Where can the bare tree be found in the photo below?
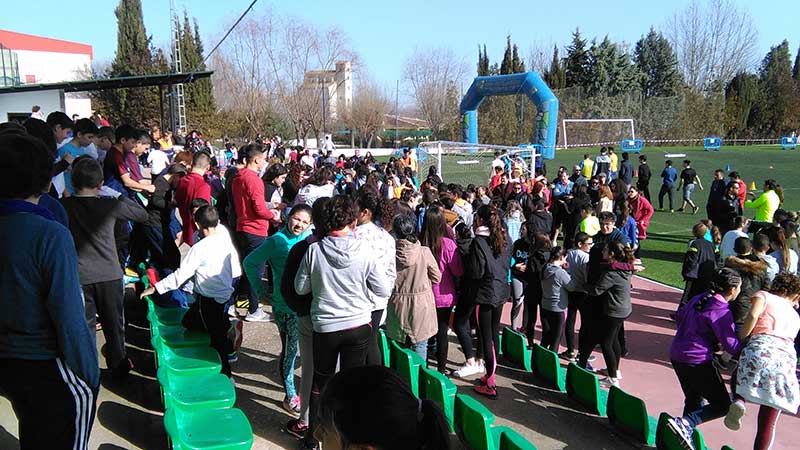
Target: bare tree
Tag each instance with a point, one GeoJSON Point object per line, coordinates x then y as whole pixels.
{"type": "Point", "coordinates": [370, 106]}
{"type": "Point", "coordinates": [428, 73]}
{"type": "Point", "coordinates": [714, 40]}
{"type": "Point", "coordinates": [261, 69]}
{"type": "Point", "coordinates": [540, 55]}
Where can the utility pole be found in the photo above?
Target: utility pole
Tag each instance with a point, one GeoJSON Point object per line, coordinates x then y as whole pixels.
{"type": "Point", "coordinates": [396, 114]}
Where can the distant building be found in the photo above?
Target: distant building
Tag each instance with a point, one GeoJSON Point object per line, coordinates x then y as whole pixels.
{"type": "Point", "coordinates": [337, 85]}
{"type": "Point", "coordinates": [28, 59]}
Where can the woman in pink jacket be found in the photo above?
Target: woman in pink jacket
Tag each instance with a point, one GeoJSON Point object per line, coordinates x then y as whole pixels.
{"type": "Point", "coordinates": [642, 211]}
{"type": "Point", "coordinates": [435, 235]}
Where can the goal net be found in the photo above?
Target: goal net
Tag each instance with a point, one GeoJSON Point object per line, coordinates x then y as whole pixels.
{"type": "Point", "coordinates": [463, 163]}
{"type": "Point", "coordinates": [596, 132]}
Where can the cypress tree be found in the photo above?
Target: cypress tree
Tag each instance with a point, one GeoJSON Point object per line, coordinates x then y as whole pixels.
{"type": "Point", "coordinates": [577, 62]}
{"type": "Point", "coordinates": [507, 65]}
{"type": "Point", "coordinates": [796, 68]}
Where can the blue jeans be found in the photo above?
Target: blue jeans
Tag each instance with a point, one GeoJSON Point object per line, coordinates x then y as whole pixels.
{"type": "Point", "coordinates": [421, 348]}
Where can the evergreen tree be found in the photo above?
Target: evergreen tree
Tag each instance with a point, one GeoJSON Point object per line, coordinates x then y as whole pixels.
{"type": "Point", "coordinates": [658, 64]}
{"type": "Point", "coordinates": [517, 65]}
{"type": "Point", "coordinates": [778, 114]}
{"type": "Point", "coordinates": [555, 76]}
{"type": "Point", "coordinates": [507, 66]}
{"type": "Point", "coordinates": [741, 96]}
{"type": "Point", "coordinates": [796, 68]}
{"type": "Point", "coordinates": [577, 62]}
{"type": "Point", "coordinates": [610, 70]}
{"type": "Point", "coordinates": [198, 95]}
{"type": "Point", "coordinates": [483, 62]}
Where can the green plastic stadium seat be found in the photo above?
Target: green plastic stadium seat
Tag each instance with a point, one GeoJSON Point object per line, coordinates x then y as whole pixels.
{"type": "Point", "coordinates": [584, 388]}
{"type": "Point", "coordinates": [436, 387]}
{"type": "Point", "coordinates": [511, 440]}
{"type": "Point", "coordinates": [208, 429]}
{"type": "Point", "coordinates": [166, 316]}
{"type": "Point", "coordinates": [515, 348]}
{"type": "Point", "coordinates": [407, 365]}
{"type": "Point", "coordinates": [629, 414]}
{"type": "Point", "coordinates": [177, 336]}
{"type": "Point", "coordinates": [547, 367]}
{"type": "Point", "coordinates": [474, 424]}
{"type": "Point", "coordinates": [385, 352]}
{"type": "Point", "coordinates": [196, 392]}
{"type": "Point", "coordinates": [189, 360]}
{"type": "Point", "coordinates": [667, 440]}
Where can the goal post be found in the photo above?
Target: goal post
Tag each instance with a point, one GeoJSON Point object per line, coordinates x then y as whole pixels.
{"type": "Point", "coordinates": [617, 139]}
{"type": "Point", "coordinates": [465, 163]}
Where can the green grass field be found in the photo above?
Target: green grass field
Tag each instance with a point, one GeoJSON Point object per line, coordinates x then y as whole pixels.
{"type": "Point", "coordinates": [669, 234]}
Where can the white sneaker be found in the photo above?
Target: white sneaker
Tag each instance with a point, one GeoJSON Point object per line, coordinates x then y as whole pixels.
{"type": "Point", "coordinates": [468, 370]}
{"type": "Point", "coordinates": [605, 372]}
{"type": "Point", "coordinates": [607, 382]}
{"type": "Point", "coordinates": [232, 311]}
{"type": "Point", "coordinates": [733, 420]}
{"type": "Point", "coordinates": [259, 316]}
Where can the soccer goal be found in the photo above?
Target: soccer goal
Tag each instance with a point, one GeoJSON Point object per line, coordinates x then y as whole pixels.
{"type": "Point", "coordinates": [596, 132]}
{"type": "Point", "coordinates": [464, 163]}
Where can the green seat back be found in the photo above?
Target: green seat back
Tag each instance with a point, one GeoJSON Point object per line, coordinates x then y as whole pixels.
{"type": "Point", "coordinates": [583, 387]}
{"type": "Point", "coordinates": [515, 348]}
{"type": "Point", "coordinates": [473, 423]}
{"type": "Point", "coordinates": [437, 388]}
{"type": "Point", "coordinates": [384, 344]}
{"type": "Point", "coordinates": [407, 365]}
{"type": "Point", "coordinates": [177, 336]}
{"type": "Point", "coordinates": [629, 414]}
{"type": "Point", "coordinates": [196, 392]}
{"type": "Point", "coordinates": [166, 316]}
{"type": "Point", "coordinates": [209, 429]}
{"type": "Point", "coordinates": [189, 360]}
{"type": "Point", "coordinates": [547, 367]}
{"type": "Point", "coordinates": [511, 440]}
{"type": "Point", "coordinates": [667, 440]}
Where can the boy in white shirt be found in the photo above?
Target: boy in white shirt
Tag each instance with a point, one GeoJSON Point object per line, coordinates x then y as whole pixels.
{"type": "Point", "coordinates": [157, 160]}
{"type": "Point", "coordinates": [212, 264]}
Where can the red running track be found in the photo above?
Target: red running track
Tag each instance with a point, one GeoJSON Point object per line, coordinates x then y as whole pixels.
{"type": "Point", "coordinates": [647, 372]}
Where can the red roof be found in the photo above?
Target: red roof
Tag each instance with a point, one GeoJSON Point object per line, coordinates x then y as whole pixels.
{"type": "Point", "coordinates": [21, 41]}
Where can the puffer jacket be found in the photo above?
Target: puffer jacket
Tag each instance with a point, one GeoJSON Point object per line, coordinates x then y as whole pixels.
{"type": "Point", "coordinates": [753, 271]}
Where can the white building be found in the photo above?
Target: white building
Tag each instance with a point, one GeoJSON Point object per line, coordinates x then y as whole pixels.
{"type": "Point", "coordinates": [338, 86]}
{"type": "Point", "coordinates": [40, 60]}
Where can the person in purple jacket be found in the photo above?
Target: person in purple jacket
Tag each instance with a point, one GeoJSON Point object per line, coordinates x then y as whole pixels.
{"type": "Point", "coordinates": [703, 323]}
{"type": "Point", "coordinates": [434, 235]}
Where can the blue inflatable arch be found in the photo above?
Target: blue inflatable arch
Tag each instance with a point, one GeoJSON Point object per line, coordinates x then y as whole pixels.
{"type": "Point", "coordinates": [529, 84]}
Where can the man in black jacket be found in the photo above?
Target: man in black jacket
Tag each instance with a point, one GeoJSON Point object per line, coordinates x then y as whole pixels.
{"type": "Point", "coordinates": [643, 180]}
{"type": "Point", "coordinates": [717, 190]}
{"type": "Point", "coordinates": [726, 208]}
{"type": "Point", "coordinates": [626, 170]}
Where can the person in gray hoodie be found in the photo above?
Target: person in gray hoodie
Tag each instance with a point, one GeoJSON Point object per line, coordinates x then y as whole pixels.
{"type": "Point", "coordinates": [554, 298]}
{"type": "Point", "coordinates": [340, 272]}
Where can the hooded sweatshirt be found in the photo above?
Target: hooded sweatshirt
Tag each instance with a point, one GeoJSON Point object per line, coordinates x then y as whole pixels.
{"type": "Point", "coordinates": [412, 307]}
{"type": "Point", "coordinates": [380, 244]}
{"type": "Point", "coordinates": [340, 272]}
{"type": "Point", "coordinates": [554, 292]}
{"type": "Point", "coordinates": [309, 193]}
{"type": "Point", "coordinates": [699, 332]}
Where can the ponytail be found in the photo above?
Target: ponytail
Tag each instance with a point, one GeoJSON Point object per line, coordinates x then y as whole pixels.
{"type": "Point", "coordinates": [497, 234]}
{"type": "Point", "coordinates": [434, 433]}
{"type": "Point", "coordinates": [722, 281]}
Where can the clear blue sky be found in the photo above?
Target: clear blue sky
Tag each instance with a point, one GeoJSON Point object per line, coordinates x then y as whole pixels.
{"type": "Point", "coordinates": [384, 33]}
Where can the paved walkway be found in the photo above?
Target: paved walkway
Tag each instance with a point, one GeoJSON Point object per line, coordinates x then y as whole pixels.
{"type": "Point", "coordinates": [129, 414]}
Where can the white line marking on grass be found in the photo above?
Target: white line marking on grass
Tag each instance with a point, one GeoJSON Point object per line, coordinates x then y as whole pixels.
{"type": "Point", "coordinates": [658, 283]}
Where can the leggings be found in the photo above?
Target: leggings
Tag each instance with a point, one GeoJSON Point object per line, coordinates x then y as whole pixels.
{"type": "Point", "coordinates": [767, 425]}
{"type": "Point", "coordinates": [349, 347]}
{"type": "Point", "coordinates": [517, 298]}
{"type": "Point", "coordinates": [604, 332]}
{"type": "Point", "coordinates": [374, 357]}
{"type": "Point", "coordinates": [576, 304]}
{"type": "Point", "coordinates": [552, 326]}
{"type": "Point", "coordinates": [699, 382]}
{"type": "Point", "coordinates": [464, 310]}
{"type": "Point", "coordinates": [532, 302]}
{"type": "Point", "coordinates": [442, 342]}
{"type": "Point", "coordinates": [489, 337]}
{"type": "Point", "coordinates": [290, 336]}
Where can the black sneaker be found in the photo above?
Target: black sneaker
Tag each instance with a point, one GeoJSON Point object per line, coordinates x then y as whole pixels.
{"type": "Point", "coordinates": [122, 370]}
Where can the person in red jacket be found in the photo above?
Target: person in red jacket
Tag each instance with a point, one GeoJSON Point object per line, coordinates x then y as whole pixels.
{"type": "Point", "coordinates": [190, 187]}
{"type": "Point", "coordinates": [642, 211]}
{"type": "Point", "coordinates": [734, 176]}
{"type": "Point", "coordinates": [252, 219]}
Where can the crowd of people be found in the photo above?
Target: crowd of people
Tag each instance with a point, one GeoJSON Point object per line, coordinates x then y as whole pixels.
{"type": "Point", "coordinates": [341, 246]}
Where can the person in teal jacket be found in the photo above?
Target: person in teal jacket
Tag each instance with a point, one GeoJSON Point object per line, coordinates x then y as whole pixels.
{"type": "Point", "coordinates": [274, 251]}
